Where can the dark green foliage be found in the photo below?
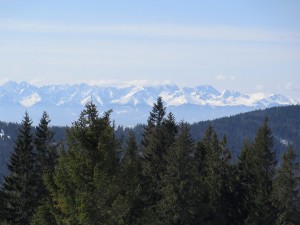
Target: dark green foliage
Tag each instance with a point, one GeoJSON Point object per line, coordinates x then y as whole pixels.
{"type": "Point", "coordinates": [245, 182]}
{"type": "Point", "coordinates": [284, 122]}
{"type": "Point", "coordinates": [170, 130]}
{"type": "Point", "coordinates": [19, 187]}
{"type": "Point", "coordinates": [168, 179]}
{"type": "Point", "coordinates": [158, 136]}
{"type": "Point", "coordinates": [218, 177]}
{"type": "Point", "coordinates": [263, 168]}
{"type": "Point", "coordinates": [130, 172]}
{"type": "Point", "coordinates": [2, 207]}
{"type": "Point", "coordinates": [7, 142]}
{"type": "Point", "coordinates": [84, 187]}
{"type": "Point", "coordinates": [44, 215]}
{"type": "Point", "coordinates": [46, 160]}
{"type": "Point", "coordinates": [286, 190]}
{"type": "Point", "coordinates": [46, 154]}
{"type": "Point", "coordinates": [182, 190]}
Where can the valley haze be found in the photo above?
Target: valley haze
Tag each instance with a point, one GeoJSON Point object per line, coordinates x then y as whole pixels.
{"type": "Point", "coordinates": [130, 104]}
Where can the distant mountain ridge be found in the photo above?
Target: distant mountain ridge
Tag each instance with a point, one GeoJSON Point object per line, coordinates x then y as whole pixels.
{"type": "Point", "coordinates": [130, 104]}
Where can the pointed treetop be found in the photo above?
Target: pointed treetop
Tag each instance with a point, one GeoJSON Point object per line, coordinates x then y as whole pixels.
{"type": "Point", "coordinates": [158, 112]}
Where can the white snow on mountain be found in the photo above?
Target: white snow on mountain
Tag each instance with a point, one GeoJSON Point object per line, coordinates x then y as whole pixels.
{"type": "Point", "coordinates": [131, 98]}
{"type": "Point", "coordinates": [30, 100]}
{"type": "Point", "coordinates": [134, 100]}
{"type": "Point", "coordinates": [86, 100]}
{"type": "Point", "coordinates": [28, 95]}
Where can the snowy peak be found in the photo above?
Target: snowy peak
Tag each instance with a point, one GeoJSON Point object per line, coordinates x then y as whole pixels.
{"type": "Point", "coordinates": [227, 94]}
{"type": "Point", "coordinates": [131, 104]}
{"type": "Point", "coordinates": [30, 100]}
{"type": "Point", "coordinates": [27, 95]}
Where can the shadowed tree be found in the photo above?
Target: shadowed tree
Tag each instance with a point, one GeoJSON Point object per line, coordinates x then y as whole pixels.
{"type": "Point", "coordinates": [20, 185]}
{"type": "Point", "coordinates": [263, 170]}
{"type": "Point", "coordinates": [157, 138]}
{"type": "Point", "coordinates": [286, 197]}
{"type": "Point", "coordinates": [46, 160]}
{"type": "Point", "coordinates": [182, 193]}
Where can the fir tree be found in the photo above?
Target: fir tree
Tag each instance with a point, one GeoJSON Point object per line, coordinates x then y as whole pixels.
{"type": "Point", "coordinates": [170, 130]}
{"type": "Point", "coordinates": [46, 159]}
{"type": "Point", "coordinates": [286, 197]}
{"type": "Point", "coordinates": [182, 195]}
{"type": "Point", "coordinates": [153, 150]}
{"type": "Point", "coordinates": [218, 177]}
{"type": "Point", "coordinates": [84, 186]}
{"type": "Point", "coordinates": [263, 168]}
{"type": "Point", "coordinates": [245, 182]}
{"type": "Point", "coordinates": [200, 157]}
{"type": "Point", "coordinates": [128, 200]}
{"type": "Point", "coordinates": [46, 153]}
{"type": "Point", "coordinates": [20, 187]}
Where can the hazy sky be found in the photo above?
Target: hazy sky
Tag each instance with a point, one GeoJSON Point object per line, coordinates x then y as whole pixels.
{"type": "Point", "coordinates": [249, 46]}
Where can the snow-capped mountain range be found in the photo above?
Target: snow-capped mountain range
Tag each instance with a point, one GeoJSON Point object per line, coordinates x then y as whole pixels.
{"type": "Point", "coordinates": [130, 104]}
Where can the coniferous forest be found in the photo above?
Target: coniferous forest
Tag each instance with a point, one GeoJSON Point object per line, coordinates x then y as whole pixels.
{"type": "Point", "coordinates": [168, 178]}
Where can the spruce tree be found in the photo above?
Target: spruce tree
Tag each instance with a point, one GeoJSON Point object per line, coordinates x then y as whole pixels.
{"type": "Point", "coordinates": [129, 202]}
{"type": "Point", "coordinates": [286, 197]}
{"type": "Point", "coordinates": [263, 167]}
{"type": "Point", "coordinates": [218, 177]}
{"type": "Point", "coordinates": [182, 194]}
{"type": "Point", "coordinates": [158, 136]}
{"type": "Point", "coordinates": [46, 159]}
{"type": "Point", "coordinates": [46, 153]}
{"type": "Point", "coordinates": [19, 188]}
{"type": "Point", "coordinates": [84, 184]}
{"type": "Point", "coordinates": [245, 182]}
{"type": "Point", "coordinates": [170, 130]}
{"type": "Point", "coordinates": [153, 150]}
{"type": "Point", "coordinates": [45, 145]}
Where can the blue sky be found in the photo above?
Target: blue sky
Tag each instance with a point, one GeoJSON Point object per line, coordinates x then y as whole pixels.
{"type": "Point", "coordinates": [249, 46]}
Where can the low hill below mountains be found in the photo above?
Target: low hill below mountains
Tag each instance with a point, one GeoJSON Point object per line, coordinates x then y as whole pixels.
{"type": "Point", "coordinates": [284, 122]}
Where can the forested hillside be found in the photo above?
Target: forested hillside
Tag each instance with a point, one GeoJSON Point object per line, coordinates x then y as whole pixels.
{"type": "Point", "coordinates": [168, 178]}
{"type": "Point", "coordinates": [284, 122]}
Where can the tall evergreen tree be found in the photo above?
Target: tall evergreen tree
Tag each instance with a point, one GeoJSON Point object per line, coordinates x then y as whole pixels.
{"type": "Point", "coordinates": [46, 153]}
{"type": "Point", "coordinates": [84, 186]}
{"type": "Point", "coordinates": [19, 187]}
{"type": "Point", "coordinates": [182, 194]}
{"type": "Point", "coordinates": [45, 145]}
{"type": "Point", "coordinates": [129, 202]}
{"type": "Point", "coordinates": [218, 177]}
{"type": "Point", "coordinates": [157, 137]}
{"type": "Point", "coordinates": [245, 182]}
{"type": "Point", "coordinates": [286, 190]}
{"type": "Point", "coordinates": [46, 159]}
{"type": "Point", "coordinates": [263, 168]}
{"type": "Point", "coordinates": [170, 130]}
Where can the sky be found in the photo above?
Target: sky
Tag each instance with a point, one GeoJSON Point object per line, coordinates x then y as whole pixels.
{"type": "Point", "coordinates": [247, 46]}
